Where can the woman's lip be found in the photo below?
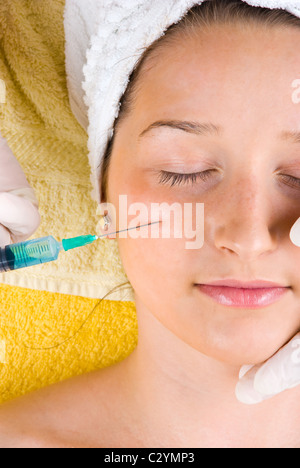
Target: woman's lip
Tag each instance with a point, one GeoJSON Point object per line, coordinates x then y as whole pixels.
{"type": "Point", "coordinates": [245, 284]}
{"type": "Point", "coordinates": [243, 297]}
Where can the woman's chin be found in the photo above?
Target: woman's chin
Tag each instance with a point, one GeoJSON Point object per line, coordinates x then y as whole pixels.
{"type": "Point", "coordinates": [239, 352]}
{"type": "Point", "coordinates": [240, 357]}
{"type": "Point", "coordinates": [239, 338]}
{"type": "Point", "coordinates": [237, 347]}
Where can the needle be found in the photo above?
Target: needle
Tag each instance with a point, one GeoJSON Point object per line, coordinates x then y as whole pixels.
{"type": "Point", "coordinates": [123, 230]}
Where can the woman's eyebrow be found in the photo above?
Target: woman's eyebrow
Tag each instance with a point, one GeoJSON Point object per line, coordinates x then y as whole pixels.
{"type": "Point", "coordinates": [197, 128]}
{"type": "Point", "coordinates": [292, 137]}
{"type": "Point", "coordinates": [208, 128]}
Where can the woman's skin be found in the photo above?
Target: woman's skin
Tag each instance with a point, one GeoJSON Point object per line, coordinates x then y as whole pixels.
{"type": "Point", "coordinates": [177, 387]}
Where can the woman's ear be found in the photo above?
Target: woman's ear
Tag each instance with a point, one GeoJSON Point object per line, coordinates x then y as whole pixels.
{"type": "Point", "coordinates": [107, 221]}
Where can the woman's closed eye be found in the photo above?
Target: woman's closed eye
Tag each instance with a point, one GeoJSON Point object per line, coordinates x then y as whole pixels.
{"type": "Point", "coordinates": [174, 178]}
{"type": "Point", "coordinates": [291, 181]}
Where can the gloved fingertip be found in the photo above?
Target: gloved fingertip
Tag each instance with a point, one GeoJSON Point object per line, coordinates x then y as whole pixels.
{"type": "Point", "coordinates": [266, 381]}
{"type": "Point", "coordinates": [26, 192]}
{"type": "Point", "coordinates": [270, 381]}
{"type": "Point", "coordinates": [23, 233]}
{"type": "Point", "coordinates": [295, 233]}
{"type": "Point", "coordinates": [244, 369]}
{"type": "Point", "coordinates": [245, 393]}
{"type": "Point", "coordinates": [19, 216]}
{"type": "Point", "coordinates": [5, 237]}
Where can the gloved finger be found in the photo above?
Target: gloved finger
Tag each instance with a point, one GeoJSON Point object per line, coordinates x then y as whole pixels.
{"type": "Point", "coordinates": [263, 381]}
{"type": "Point", "coordinates": [281, 371]}
{"type": "Point", "coordinates": [244, 369]}
{"type": "Point", "coordinates": [18, 215]}
{"type": "Point", "coordinates": [245, 391]}
{"type": "Point", "coordinates": [5, 237]}
{"type": "Point", "coordinates": [25, 192]}
{"type": "Point", "coordinates": [295, 233]}
{"type": "Point", "coordinates": [11, 174]}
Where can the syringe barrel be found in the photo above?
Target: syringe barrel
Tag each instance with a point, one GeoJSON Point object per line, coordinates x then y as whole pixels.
{"type": "Point", "coordinates": [29, 253]}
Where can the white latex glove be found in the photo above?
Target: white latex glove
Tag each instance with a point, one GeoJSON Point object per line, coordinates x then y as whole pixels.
{"type": "Point", "coordinates": [19, 216]}
{"type": "Point", "coordinates": [280, 372]}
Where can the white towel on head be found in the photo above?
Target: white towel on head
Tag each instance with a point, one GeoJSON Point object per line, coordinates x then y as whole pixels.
{"type": "Point", "coordinates": [104, 41]}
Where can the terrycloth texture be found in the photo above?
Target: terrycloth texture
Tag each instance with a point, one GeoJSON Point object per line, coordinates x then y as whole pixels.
{"type": "Point", "coordinates": [42, 320]}
{"type": "Point", "coordinates": [51, 146]}
{"type": "Point", "coordinates": [104, 41]}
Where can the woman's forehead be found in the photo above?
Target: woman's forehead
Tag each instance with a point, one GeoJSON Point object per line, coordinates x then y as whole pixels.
{"type": "Point", "coordinates": [241, 77]}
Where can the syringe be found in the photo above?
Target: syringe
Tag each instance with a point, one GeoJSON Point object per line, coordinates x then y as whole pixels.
{"type": "Point", "coordinates": [44, 250]}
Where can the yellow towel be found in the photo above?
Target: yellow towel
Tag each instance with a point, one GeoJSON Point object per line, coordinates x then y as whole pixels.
{"type": "Point", "coordinates": [44, 305]}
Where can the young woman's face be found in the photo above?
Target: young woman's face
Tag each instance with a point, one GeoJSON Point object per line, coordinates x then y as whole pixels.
{"type": "Point", "coordinates": [239, 79]}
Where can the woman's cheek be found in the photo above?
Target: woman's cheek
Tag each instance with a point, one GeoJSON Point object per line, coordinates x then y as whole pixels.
{"type": "Point", "coordinates": [151, 261]}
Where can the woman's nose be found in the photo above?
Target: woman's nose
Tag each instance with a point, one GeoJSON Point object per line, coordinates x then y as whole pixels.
{"type": "Point", "coordinates": [244, 223]}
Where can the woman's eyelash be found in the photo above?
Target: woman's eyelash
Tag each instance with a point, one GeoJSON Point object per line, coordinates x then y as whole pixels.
{"type": "Point", "coordinates": [291, 181]}
{"type": "Point", "coordinates": [174, 178]}
{"type": "Point", "coordinates": [177, 179]}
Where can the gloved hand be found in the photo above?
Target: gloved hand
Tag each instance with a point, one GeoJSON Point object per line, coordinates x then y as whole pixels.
{"type": "Point", "coordinates": [19, 216]}
{"type": "Point", "coordinates": [280, 372]}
